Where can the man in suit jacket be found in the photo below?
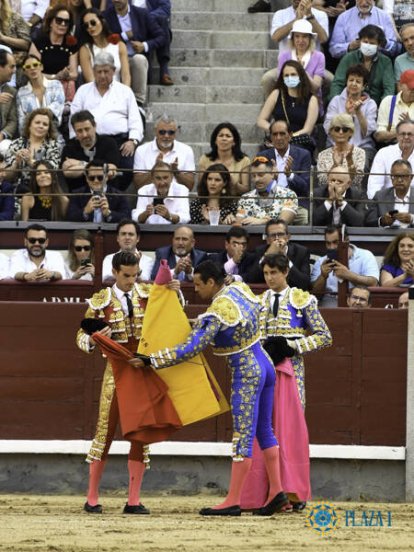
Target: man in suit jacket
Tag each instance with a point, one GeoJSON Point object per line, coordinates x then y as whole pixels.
{"type": "Point", "coordinates": [141, 34]}
{"type": "Point", "coordinates": [394, 207]}
{"type": "Point", "coordinates": [293, 165]}
{"type": "Point", "coordinates": [182, 257]}
{"type": "Point", "coordinates": [235, 259]}
{"type": "Point", "coordinates": [277, 241]}
{"type": "Point", "coordinates": [338, 202]}
{"type": "Point", "coordinates": [100, 202]}
{"type": "Point", "coordinates": [8, 112]}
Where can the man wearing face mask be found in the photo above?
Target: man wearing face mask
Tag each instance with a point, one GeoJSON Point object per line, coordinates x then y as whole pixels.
{"type": "Point", "coordinates": [381, 81]}
{"type": "Point", "coordinates": [345, 36]}
{"type": "Point", "coordinates": [394, 109]}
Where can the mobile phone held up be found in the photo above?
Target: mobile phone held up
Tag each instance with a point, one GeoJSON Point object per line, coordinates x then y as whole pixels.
{"type": "Point", "coordinates": [332, 254]}
{"type": "Point", "coordinates": [158, 201]}
{"type": "Point", "coordinates": [85, 262]}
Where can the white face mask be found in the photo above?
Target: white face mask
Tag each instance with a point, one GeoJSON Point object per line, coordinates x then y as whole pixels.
{"type": "Point", "coordinates": [368, 50]}
{"type": "Point", "coordinates": [292, 81]}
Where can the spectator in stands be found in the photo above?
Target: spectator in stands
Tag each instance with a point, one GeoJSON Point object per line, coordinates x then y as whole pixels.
{"type": "Point", "coordinates": [345, 36]}
{"type": "Point", "coordinates": [394, 207]}
{"type": "Point", "coordinates": [39, 92]}
{"type": "Point", "coordinates": [404, 300]}
{"type": "Point", "coordinates": [98, 201]}
{"type": "Point", "coordinates": [58, 49]}
{"type": "Point", "coordinates": [141, 34]}
{"type": "Point", "coordinates": [35, 263]}
{"type": "Point", "coordinates": [225, 143]}
{"type": "Point", "coordinates": [165, 147]}
{"type": "Point", "coordinates": [278, 242]}
{"type": "Point", "coordinates": [96, 37]}
{"type": "Point", "coordinates": [128, 234]}
{"type": "Point", "coordinates": [398, 263]}
{"type": "Point", "coordinates": [396, 108]}
{"type": "Point", "coordinates": [14, 34]}
{"type": "Point", "coordinates": [281, 27]}
{"type": "Point", "coordinates": [342, 153]}
{"type": "Point", "coordinates": [405, 61]}
{"type": "Point", "coordinates": [160, 10]}
{"type": "Point", "coordinates": [293, 102]}
{"type": "Point", "coordinates": [338, 202]}
{"type": "Point", "coordinates": [401, 11]}
{"type": "Point", "coordinates": [8, 114]}
{"type": "Point", "coordinates": [267, 200]}
{"type": "Point", "coordinates": [33, 11]}
{"type": "Point", "coordinates": [80, 265]}
{"type": "Point", "coordinates": [381, 167]}
{"type": "Point", "coordinates": [354, 101]}
{"type": "Point", "coordinates": [265, 6]}
{"type": "Point", "coordinates": [182, 256]}
{"type": "Point", "coordinates": [37, 143]}
{"type": "Point", "coordinates": [235, 259]}
{"type": "Point", "coordinates": [327, 271]}
{"type": "Point", "coordinates": [293, 164]}
{"type": "Point", "coordinates": [115, 110]}
{"type": "Point", "coordinates": [381, 80]}
{"type": "Point", "coordinates": [164, 201]}
{"type": "Point", "coordinates": [359, 297]}
{"type": "Point", "coordinates": [45, 200]}
{"type": "Point", "coordinates": [86, 146]}
{"type": "Point", "coordinates": [6, 194]}
{"type": "Point", "coordinates": [302, 49]}
{"type": "Point", "coordinates": [213, 195]}
{"type": "Point", "coordinates": [4, 266]}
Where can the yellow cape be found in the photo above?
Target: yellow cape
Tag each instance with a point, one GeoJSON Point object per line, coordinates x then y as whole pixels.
{"type": "Point", "coordinates": [192, 386]}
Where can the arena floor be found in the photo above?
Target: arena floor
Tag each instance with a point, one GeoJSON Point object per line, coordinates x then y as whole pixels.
{"type": "Point", "coordinates": [57, 523]}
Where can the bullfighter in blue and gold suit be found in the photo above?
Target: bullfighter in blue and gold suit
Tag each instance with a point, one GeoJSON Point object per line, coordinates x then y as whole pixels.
{"type": "Point", "coordinates": [231, 326]}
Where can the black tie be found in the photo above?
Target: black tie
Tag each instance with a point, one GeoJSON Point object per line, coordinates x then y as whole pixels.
{"type": "Point", "coordinates": [276, 304]}
{"type": "Point", "coordinates": [129, 305]}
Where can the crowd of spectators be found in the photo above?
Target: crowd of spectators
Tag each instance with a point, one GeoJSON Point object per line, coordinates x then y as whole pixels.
{"type": "Point", "coordinates": [338, 145]}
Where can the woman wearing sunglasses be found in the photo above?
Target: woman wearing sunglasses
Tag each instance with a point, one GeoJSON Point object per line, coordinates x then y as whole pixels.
{"type": "Point", "coordinates": [80, 265]}
{"type": "Point", "coordinates": [57, 48]}
{"type": "Point", "coordinates": [342, 153]}
{"type": "Point", "coordinates": [45, 200]}
{"type": "Point", "coordinates": [96, 38]}
{"type": "Point", "coordinates": [39, 92]}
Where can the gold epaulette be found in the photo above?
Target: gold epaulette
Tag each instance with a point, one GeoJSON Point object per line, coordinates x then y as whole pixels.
{"type": "Point", "coordinates": [143, 290]}
{"type": "Point", "coordinates": [246, 291]}
{"type": "Point", "coordinates": [300, 299]}
{"type": "Point", "coordinates": [225, 310]}
{"type": "Point", "coordinates": [100, 299]}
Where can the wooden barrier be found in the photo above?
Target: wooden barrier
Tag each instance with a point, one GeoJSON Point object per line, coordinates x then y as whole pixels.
{"type": "Point", "coordinates": [356, 390]}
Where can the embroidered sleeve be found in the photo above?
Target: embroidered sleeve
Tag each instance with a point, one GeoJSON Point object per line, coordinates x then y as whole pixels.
{"type": "Point", "coordinates": [320, 335]}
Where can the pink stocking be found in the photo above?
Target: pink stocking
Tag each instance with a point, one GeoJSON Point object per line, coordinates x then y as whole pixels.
{"type": "Point", "coordinates": [239, 471]}
{"type": "Point", "coordinates": [96, 469]}
{"type": "Point", "coordinates": [136, 473]}
{"type": "Point", "coordinates": [271, 458]}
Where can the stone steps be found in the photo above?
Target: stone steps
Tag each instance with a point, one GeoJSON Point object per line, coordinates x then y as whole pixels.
{"type": "Point", "coordinates": [208, 21]}
{"type": "Point", "coordinates": [223, 57]}
{"type": "Point", "coordinates": [221, 39]}
{"type": "Point", "coordinates": [229, 6]}
{"type": "Point", "coordinates": [220, 94]}
{"type": "Point", "coordinates": [216, 76]}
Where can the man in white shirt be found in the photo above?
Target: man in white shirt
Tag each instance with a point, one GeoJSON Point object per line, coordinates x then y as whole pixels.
{"type": "Point", "coordinates": [165, 201]}
{"type": "Point", "coordinates": [166, 148]}
{"type": "Point", "coordinates": [35, 263]}
{"type": "Point", "coordinates": [281, 27]}
{"type": "Point", "coordinates": [381, 167]}
{"type": "Point", "coordinates": [4, 266]}
{"type": "Point", "coordinates": [128, 236]}
{"type": "Point", "coordinates": [115, 110]}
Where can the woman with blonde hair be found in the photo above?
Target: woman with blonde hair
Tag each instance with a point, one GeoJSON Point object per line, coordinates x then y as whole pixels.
{"type": "Point", "coordinates": [342, 153]}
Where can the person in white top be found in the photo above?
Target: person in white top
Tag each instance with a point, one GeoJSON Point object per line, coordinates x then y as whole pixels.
{"type": "Point", "coordinates": [35, 263]}
{"type": "Point", "coordinates": [165, 201]}
{"type": "Point", "coordinates": [128, 236]}
{"type": "Point", "coordinates": [115, 110]}
{"type": "Point", "coordinates": [380, 175]}
{"type": "Point", "coordinates": [166, 148]}
{"type": "Point", "coordinates": [4, 266]}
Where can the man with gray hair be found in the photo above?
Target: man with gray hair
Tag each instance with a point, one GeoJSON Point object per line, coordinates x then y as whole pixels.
{"type": "Point", "coordinates": [115, 110]}
{"type": "Point", "coordinates": [164, 147]}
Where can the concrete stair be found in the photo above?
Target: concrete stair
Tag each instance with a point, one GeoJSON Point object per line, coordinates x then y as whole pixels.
{"type": "Point", "coordinates": [219, 53]}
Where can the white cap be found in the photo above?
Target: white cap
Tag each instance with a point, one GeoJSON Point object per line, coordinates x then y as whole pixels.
{"type": "Point", "coordinates": [301, 26]}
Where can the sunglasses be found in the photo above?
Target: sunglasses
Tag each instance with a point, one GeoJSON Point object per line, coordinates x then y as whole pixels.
{"type": "Point", "coordinates": [98, 177]}
{"type": "Point", "coordinates": [79, 248]}
{"type": "Point", "coordinates": [169, 132]}
{"type": "Point", "coordinates": [91, 23]}
{"type": "Point", "coordinates": [339, 129]}
{"type": "Point", "coordinates": [33, 65]}
{"type": "Point", "coordinates": [62, 21]}
{"type": "Point", "coordinates": [36, 240]}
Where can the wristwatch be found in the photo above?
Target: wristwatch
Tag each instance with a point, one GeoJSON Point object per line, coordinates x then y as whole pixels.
{"type": "Point", "coordinates": [310, 17]}
{"type": "Point", "coordinates": [135, 142]}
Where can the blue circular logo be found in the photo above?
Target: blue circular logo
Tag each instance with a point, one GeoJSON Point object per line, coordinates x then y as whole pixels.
{"type": "Point", "coordinates": [322, 518]}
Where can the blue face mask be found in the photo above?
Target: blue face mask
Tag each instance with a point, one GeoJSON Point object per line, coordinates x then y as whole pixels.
{"type": "Point", "coordinates": [292, 81]}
